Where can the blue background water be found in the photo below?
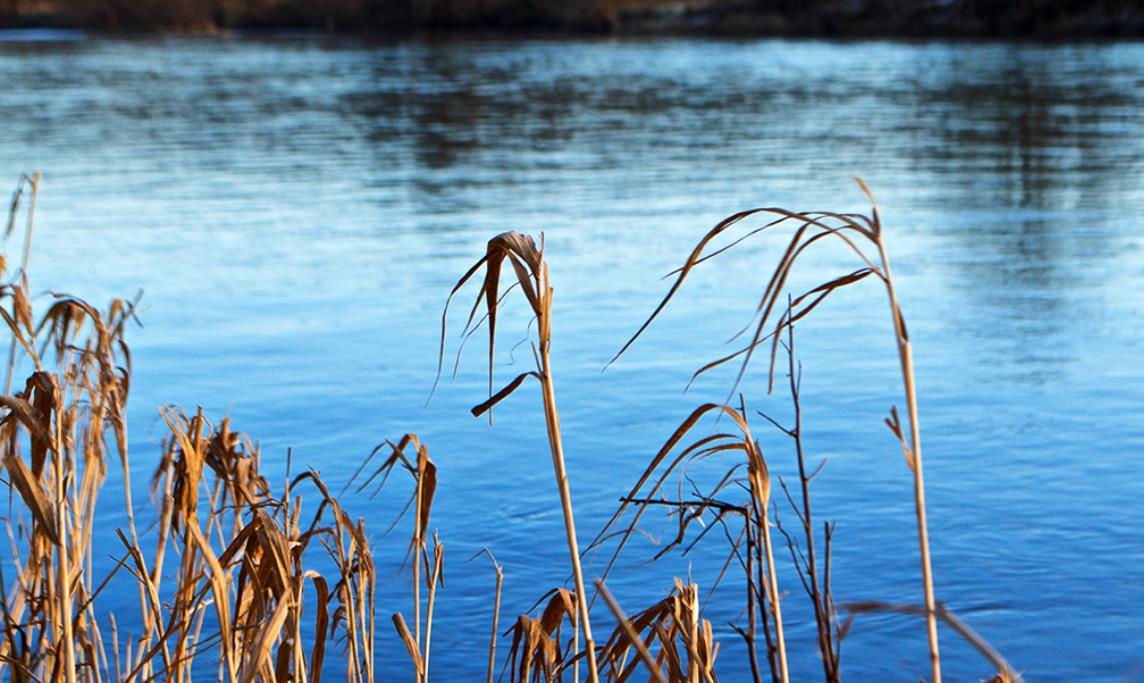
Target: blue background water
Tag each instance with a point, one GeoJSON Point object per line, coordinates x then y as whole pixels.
{"type": "Point", "coordinates": [296, 210]}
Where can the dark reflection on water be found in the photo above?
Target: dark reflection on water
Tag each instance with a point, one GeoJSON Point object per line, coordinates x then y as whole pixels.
{"type": "Point", "coordinates": [296, 210]}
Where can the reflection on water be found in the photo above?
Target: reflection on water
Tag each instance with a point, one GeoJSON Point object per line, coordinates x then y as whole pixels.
{"type": "Point", "coordinates": [296, 210]}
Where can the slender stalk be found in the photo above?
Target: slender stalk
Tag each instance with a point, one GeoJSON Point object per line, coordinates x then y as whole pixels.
{"type": "Point", "coordinates": [418, 550]}
{"type": "Point", "coordinates": [434, 579]}
{"type": "Point", "coordinates": [27, 253]}
{"type": "Point", "coordinates": [552, 418]}
{"type": "Point", "coordinates": [905, 354]}
{"type": "Point", "coordinates": [575, 649]}
{"type": "Point", "coordinates": [760, 482]}
{"type": "Point", "coordinates": [527, 262]}
{"type": "Point", "coordinates": [496, 620]}
{"type": "Point", "coordinates": [556, 445]}
{"type": "Point", "coordinates": [761, 580]}
{"type": "Point", "coordinates": [691, 597]}
{"type": "Point", "coordinates": [776, 611]}
{"type": "Point", "coordinates": [63, 565]}
{"type": "Point", "coordinates": [821, 610]}
{"type": "Point", "coordinates": [752, 617]}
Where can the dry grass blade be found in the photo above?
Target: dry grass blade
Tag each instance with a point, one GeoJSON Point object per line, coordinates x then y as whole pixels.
{"type": "Point", "coordinates": [811, 228]}
{"type": "Point", "coordinates": [20, 305]}
{"type": "Point", "coordinates": [264, 645]}
{"type": "Point", "coordinates": [21, 477]}
{"type": "Point", "coordinates": [485, 406]}
{"type": "Point", "coordinates": [424, 473]}
{"type": "Point", "coordinates": [1006, 672]}
{"type": "Point", "coordinates": [653, 469]}
{"type": "Point", "coordinates": [537, 652]}
{"type": "Point", "coordinates": [410, 645]}
{"type": "Point", "coordinates": [633, 637]}
{"type": "Point", "coordinates": [321, 628]}
{"type": "Point", "coordinates": [758, 564]}
{"type": "Point", "coordinates": [525, 258]}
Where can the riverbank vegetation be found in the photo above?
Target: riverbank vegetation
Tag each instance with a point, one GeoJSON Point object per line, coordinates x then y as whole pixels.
{"type": "Point", "coordinates": [1043, 19]}
{"type": "Point", "coordinates": [243, 579]}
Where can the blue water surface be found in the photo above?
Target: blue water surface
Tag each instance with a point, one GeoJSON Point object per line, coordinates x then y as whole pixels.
{"type": "Point", "coordinates": [297, 209]}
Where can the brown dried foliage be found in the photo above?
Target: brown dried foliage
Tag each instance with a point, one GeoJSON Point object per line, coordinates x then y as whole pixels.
{"type": "Point", "coordinates": [863, 237]}
{"type": "Point", "coordinates": [261, 586]}
{"type": "Point", "coordinates": [241, 590]}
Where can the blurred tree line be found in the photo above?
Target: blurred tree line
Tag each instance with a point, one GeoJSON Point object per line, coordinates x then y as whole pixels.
{"type": "Point", "coordinates": [1008, 18]}
{"type": "Point", "coordinates": [347, 15]}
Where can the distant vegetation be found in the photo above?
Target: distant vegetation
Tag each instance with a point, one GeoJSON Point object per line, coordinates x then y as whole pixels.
{"type": "Point", "coordinates": [907, 18]}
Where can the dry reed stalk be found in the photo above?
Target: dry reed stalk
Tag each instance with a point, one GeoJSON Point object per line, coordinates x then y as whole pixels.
{"type": "Point", "coordinates": [760, 499]}
{"type": "Point", "coordinates": [433, 582]}
{"type": "Point", "coordinates": [33, 182]}
{"type": "Point", "coordinates": [806, 565]}
{"type": "Point", "coordinates": [691, 596]}
{"type": "Point", "coordinates": [424, 473]}
{"type": "Point", "coordinates": [496, 611]}
{"type": "Point", "coordinates": [256, 576]}
{"type": "Point", "coordinates": [531, 271]}
{"type": "Point", "coordinates": [242, 580]}
{"type": "Point", "coordinates": [853, 231]}
{"type": "Point", "coordinates": [251, 580]}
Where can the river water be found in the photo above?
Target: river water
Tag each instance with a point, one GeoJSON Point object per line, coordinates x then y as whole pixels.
{"type": "Point", "coordinates": [297, 208]}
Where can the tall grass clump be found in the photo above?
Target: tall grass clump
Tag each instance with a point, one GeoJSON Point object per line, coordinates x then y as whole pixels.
{"type": "Point", "coordinates": [777, 311]}
{"type": "Point", "coordinates": [424, 473]}
{"type": "Point", "coordinates": [230, 577]}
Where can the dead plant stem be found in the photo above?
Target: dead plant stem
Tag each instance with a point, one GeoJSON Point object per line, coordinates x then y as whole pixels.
{"type": "Point", "coordinates": [25, 258]}
{"type": "Point", "coordinates": [905, 354]}
{"type": "Point", "coordinates": [553, 422]}
{"type": "Point", "coordinates": [822, 615]}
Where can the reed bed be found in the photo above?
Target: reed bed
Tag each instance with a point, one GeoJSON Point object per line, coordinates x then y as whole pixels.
{"type": "Point", "coordinates": [226, 578]}
{"type": "Point", "coordinates": [241, 580]}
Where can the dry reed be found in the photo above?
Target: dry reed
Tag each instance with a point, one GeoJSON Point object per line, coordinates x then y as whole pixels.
{"type": "Point", "coordinates": [855, 232]}
{"type": "Point", "coordinates": [424, 473]}
{"type": "Point", "coordinates": [245, 582]}
{"type": "Point", "coordinates": [258, 585]}
{"type": "Point", "coordinates": [531, 273]}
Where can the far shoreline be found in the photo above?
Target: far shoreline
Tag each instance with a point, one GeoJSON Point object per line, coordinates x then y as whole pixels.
{"type": "Point", "coordinates": [1040, 21]}
{"type": "Point", "coordinates": [47, 36]}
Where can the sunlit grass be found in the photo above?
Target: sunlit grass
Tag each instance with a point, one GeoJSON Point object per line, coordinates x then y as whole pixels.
{"type": "Point", "coordinates": [244, 581]}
